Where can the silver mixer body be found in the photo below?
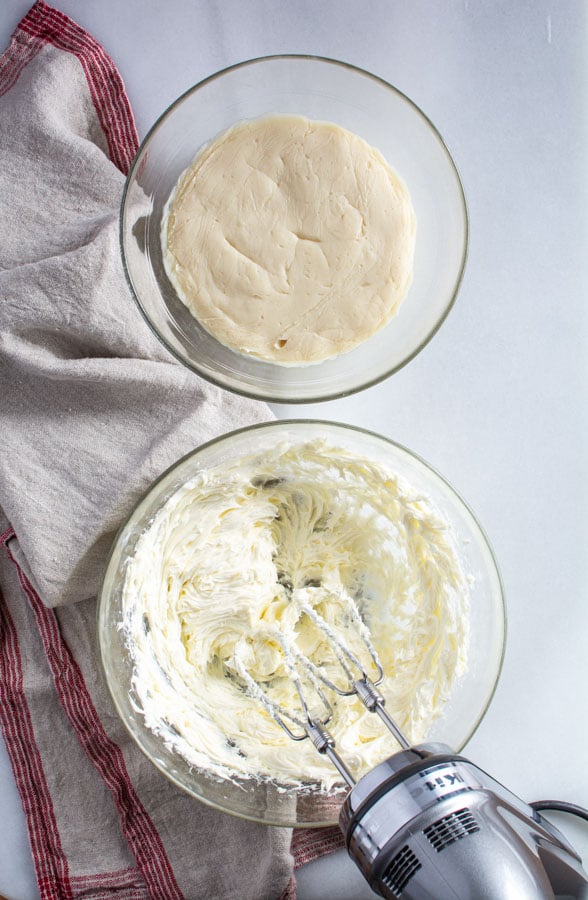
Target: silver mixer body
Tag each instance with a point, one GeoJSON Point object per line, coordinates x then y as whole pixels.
{"type": "Point", "coordinates": [427, 824]}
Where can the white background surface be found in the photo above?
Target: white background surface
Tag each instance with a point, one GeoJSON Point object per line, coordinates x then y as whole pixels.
{"type": "Point", "coordinates": [498, 401]}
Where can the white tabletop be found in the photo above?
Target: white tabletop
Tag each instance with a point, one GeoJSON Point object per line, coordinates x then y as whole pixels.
{"type": "Point", "coordinates": [498, 402]}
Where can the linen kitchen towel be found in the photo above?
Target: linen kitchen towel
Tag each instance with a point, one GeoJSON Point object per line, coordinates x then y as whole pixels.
{"type": "Point", "coordinates": [92, 410]}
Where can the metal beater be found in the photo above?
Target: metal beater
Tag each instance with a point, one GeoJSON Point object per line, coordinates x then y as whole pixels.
{"type": "Point", "coordinates": [426, 824]}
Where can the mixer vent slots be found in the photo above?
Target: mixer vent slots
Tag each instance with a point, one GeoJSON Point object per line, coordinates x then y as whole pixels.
{"type": "Point", "coordinates": [451, 828]}
{"type": "Point", "coordinates": [400, 870]}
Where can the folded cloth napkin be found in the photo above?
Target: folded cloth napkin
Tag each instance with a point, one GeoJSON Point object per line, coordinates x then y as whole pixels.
{"type": "Point", "coordinates": [92, 410]}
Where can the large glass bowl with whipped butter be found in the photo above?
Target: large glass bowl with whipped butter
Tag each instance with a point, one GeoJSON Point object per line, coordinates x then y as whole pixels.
{"type": "Point", "coordinates": [350, 210]}
{"type": "Point", "coordinates": [228, 559]}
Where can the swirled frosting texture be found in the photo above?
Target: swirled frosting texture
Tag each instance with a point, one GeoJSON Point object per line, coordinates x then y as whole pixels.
{"type": "Point", "coordinates": [228, 571]}
{"type": "Point", "coordinates": [289, 239]}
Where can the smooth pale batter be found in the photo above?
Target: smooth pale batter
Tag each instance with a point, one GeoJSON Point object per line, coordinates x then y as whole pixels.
{"type": "Point", "coordinates": [222, 577]}
{"type": "Point", "coordinates": [289, 239]}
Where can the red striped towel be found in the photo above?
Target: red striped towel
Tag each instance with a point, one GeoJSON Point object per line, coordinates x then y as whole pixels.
{"type": "Point", "coordinates": [92, 410]}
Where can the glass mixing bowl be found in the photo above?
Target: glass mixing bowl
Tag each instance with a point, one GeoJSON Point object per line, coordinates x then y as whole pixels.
{"type": "Point", "coordinates": [318, 89]}
{"type": "Point", "coordinates": [267, 802]}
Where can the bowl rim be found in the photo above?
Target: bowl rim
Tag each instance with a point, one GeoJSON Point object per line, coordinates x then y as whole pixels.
{"type": "Point", "coordinates": [227, 436]}
{"type": "Point", "coordinates": [331, 394]}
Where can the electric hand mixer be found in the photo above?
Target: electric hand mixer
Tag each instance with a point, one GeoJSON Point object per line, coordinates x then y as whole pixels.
{"type": "Point", "coordinates": [425, 824]}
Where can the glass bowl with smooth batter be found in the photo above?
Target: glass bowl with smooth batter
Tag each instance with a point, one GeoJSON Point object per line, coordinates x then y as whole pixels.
{"type": "Point", "coordinates": [322, 90]}
{"type": "Point", "coordinates": [260, 458]}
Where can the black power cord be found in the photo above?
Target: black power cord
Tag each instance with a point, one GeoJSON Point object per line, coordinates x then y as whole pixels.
{"type": "Point", "coordinates": [561, 806]}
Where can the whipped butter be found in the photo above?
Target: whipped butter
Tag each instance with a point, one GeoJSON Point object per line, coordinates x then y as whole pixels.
{"type": "Point", "coordinates": [227, 571]}
{"type": "Point", "coordinates": [289, 239]}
